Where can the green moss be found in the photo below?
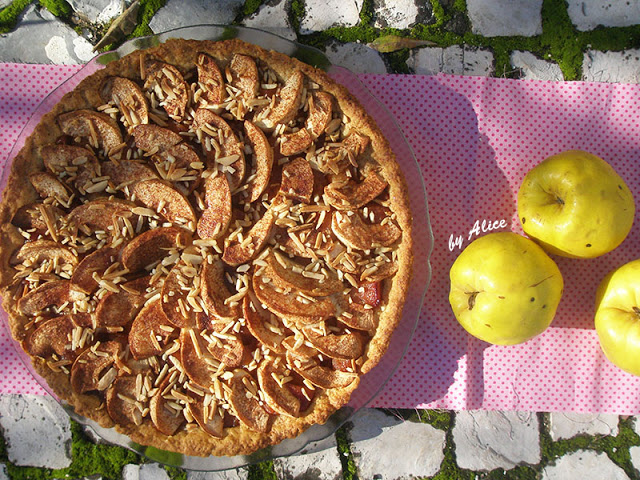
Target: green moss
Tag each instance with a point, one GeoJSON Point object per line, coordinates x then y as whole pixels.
{"type": "Point", "coordinates": [250, 7]}
{"type": "Point", "coordinates": [262, 471]}
{"type": "Point", "coordinates": [59, 8]}
{"type": "Point", "coordinates": [176, 473]}
{"type": "Point", "coordinates": [9, 14]}
{"type": "Point", "coordinates": [349, 470]}
{"type": "Point", "coordinates": [366, 13]}
{"type": "Point", "coordinates": [296, 14]}
{"type": "Point", "coordinates": [147, 10]}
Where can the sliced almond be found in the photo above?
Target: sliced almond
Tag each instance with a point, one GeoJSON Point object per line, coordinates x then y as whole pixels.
{"type": "Point", "coordinates": [174, 298]}
{"type": "Point", "coordinates": [215, 292]}
{"type": "Point", "coordinates": [263, 157]}
{"type": "Point", "coordinates": [297, 180]}
{"type": "Point", "coordinates": [289, 103]}
{"type": "Point", "coordinates": [170, 82]}
{"type": "Point", "coordinates": [121, 403]}
{"type": "Point", "coordinates": [89, 366]}
{"type": "Point", "coordinates": [48, 186]}
{"type": "Point", "coordinates": [127, 172]}
{"type": "Point", "coordinates": [153, 245]}
{"type": "Point", "coordinates": [353, 195]}
{"type": "Point", "coordinates": [320, 112]}
{"type": "Point", "coordinates": [148, 322]}
{"type": "Point", "coordinates": [244, 73]}
{"type": "Point", "coordinates": [39, 251]}
{"type": "Point", "coordinates": [126, 94]}
{"type": "Point", "coordinates": [166, 200]}
{"type": "Point", "coordinates": [258, 321]}
{"type": "Point", "coordinates": [96, 262]}
{"type": "Point", "coordinates": [237, 253]}
{"type": "Point", "coordinates": [343, 346]}
{"type": "Point", "coordinates": [355, 233]}
{"type": "Point", "coordinates": [288, 274]}
{"type": "Point", "coordinates": [295, 143]}
{"type": "Point", "coordinates": [164, 418]}
{"type": "Point", "coordinates": [215, 219]}
{"type": "Point", "coordinates": [323, 377]}
{"type": "Point", "coordinates": [210, 78]}
{"type": "Point", "coordinates": [277, 396]}
{"type": "Point", "coordinates": [208, 417]}
{"type": "Point", "coordinates": [119, 309]}
{"type": "Point", "coordinates": [50, 294]}
{"type": "Point", "coordinates": [100, 129]}
{"type": "Point", "coordinates": [247, 406]}
{"type": "Point", "coordinates": [152, 138]}
{"type": "Point", "coordinates": [298, 347]}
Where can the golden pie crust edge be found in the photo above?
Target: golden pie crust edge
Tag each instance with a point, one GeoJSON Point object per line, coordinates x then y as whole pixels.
{"type": "Point", "coordinates": [182, 54]}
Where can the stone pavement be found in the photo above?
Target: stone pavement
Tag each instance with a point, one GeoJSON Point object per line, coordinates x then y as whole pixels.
{"type": "Point", "coordinates": [593, 40]}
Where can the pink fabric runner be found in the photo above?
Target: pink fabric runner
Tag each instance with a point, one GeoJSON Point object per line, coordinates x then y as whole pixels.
{"type": "Point", "coordinates": [474, 139]}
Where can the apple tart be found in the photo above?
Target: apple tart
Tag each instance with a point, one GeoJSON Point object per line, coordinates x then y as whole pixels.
{"type": "Point", "coordinates": [205, 245]}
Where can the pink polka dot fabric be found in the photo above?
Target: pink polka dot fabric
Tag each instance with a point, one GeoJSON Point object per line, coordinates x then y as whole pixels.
{"type": "Point", "coordinates": [474, 139]}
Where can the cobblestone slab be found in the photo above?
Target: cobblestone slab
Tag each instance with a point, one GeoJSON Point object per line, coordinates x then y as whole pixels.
{"type": "Point", "coordinates": [238, 474]}
{"type": "Point", "coordinates": [177, 13]}
{"type": "Point", "coordinates": [568, 425]}
{"type": "Point", "coordinates": [357, 57]}
{"type": "Point", "coordinates": [3, 472]}
{"type": "Point", "coordinates": [323, 14]}
{"type": "Point", "coordinates": [385, 447]}
{"type": "Point", "coordinates": [501, 18]}
{"type": "Point", "coordinates": [634, 453]}
{"type": "Point", "coordinates": [147, 471]}
{"type": "Point", "coordinates": [41, 38]}
{"type": "Point", "coordinates": [584, 465]}
{"type": "Point", "coordinates": [36, 430]}
{"type": "Point", "coordinates": [395, 13]}
{"type": "Point", "coordinates": [98, 11]}
{"type": "Point", "coordinates": [532, 68]}
{"type": "Point", "coordinates": [454, 60]}
{"type": "Point", "coordinates": [623, 67]}
{"type": "Point", "coordinates": [320, 461]}
{"type": "Point", "coordinates": [272, 16]}
{"type": "Point", "coordinates": [486, 440]}
{"type": "Point", "coordinates": [588, 14]}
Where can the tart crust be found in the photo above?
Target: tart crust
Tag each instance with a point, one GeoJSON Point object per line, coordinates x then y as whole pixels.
{"type": "Point", "coordinates": [182, 55]}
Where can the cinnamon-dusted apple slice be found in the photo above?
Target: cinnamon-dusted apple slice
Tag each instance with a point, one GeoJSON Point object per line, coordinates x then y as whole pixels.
{"type": "Point", "coordinates": [204, 410]}
{"type": "Point", "coordinates": [227, 347]}
{"type": "Point", "coordinates": [152, 138]}
{"type": "Point", "coordinates": [77, 164]}
{"type": "Point", "coordinates": [239, 252]}
{"type": "Point", "coordinates": [297, 180]}
{"type": "Point", "coordinates": [127, 172]}
{"type": "Point", "coordinates": [295, 143]}
{"type": "Point", "coordinates": [97, 262]}
{"type": "Point", "coordinates": [291, 304]}
{"type": "Point", "coordinates": [378, 272]}
{"type": "Point", "coordinates": [148, 330]}
{"type": "Point", "coordinates": [358, 318]}
{"type": "Point", "coordinates": [198, 364]}
{"type": "Point", "coordinates": [355, 233]}
{"type": "Point", "coordinates": [320, 112]}
{"type": "Point", "coordinates": [262, 324]}
{"type": "Point", "coordinates": [245, 402]}
{"type": "Point", "coordinates": [286, 273]}
{"type": "Point", "coordinates": [289, 103]}
{"type": "Point", "coordinates": [210, 79]}
{"type": "Point", "coordinates": [50, 294]}
{"type": "Point", "coordinates": [121, 401]}
{"type": "Point", "coordinates": [119, 309]}
{"type": "Point", "coordinates": [351, 195]}
{"type": "Point", "coordinates": [355, 143]}
{"type": "Point", "coordinates": [323, 377]}
{"type": "Point", "coordinates": [165, 418]}
{"type": "Point", "coordinates": [343, 346]}
{"type": "Point", "coordinates": [39, 251]}
{"type": "Point", "coordinates": [298, 345]}
{"type": "Point", "coordinates": [128, 97]}
{"type": "Point", "coordinates": [99, 129]}
{"type": "Point", "coordinates": [244, 74]}
{"type": "Point", "coordinates": [153, 245]}
{"type": "Point", "coordinates": [216, 217]}
{"type": "Point", "coordinates": [98, 215]}
{"type": "Point", "coordinates": [166, 200]}
{"type": "Point", "coordinates": [168, 84]}
{"type": "Point", "coordinates": [48, 186]}
{"type": "Point", "coordinates": [215, 292]}
{"type": "Point", "coordinates": [91, 369]}
{"type": "Point", "coordinates": [51, 336]}
{"type": "Point", "coordinates": [263, 158]}
{"type": "Point", "coordinates": [231, 149]}
{"type": "Point", "coordinates": [174, 163]}
{"type": "Point", "coordinates": [276, 394]}
{"type": "Point", "coordinates": [175, 304]}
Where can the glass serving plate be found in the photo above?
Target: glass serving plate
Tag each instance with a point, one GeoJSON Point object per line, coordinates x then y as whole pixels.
{"type": "Point", "coordinates": [371, 383]}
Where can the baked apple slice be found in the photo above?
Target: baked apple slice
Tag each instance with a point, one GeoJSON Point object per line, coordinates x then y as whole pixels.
{"type": "Point", "coordinates": [48, 186]}
{"type": "Point", "coordinates": [175, 303]}
{"type": "Point", "coordinates": [346, 346]}
{"type": "Point", "coordinates": [297, 180]}
{"type": "Point", "coordinates": [51, 336]}
{"type": "Point", "coordinates": [98, 215]}
{"type": "Point", "coordinates": [352, 231]}
{"type": "Point", "coordinates": [289, 103]}
{"type": "Point", "coordinates": [215, 292]}
{"type": "Point", "coordinates": [147, 334]}
{"type": "Point", "coordinates": [295, 143]}
{"type": "Point", "coordinates": [216, 217]}
{"type": "Point", "coordinates": [288, 274]}
{"type": "Point", "coordinates": [318, 375]}
{"type": "Point", "coordinates": [51, 294]}
{"type": "Point", "coordinates": [128, 97]}
{"type": "Point", "coordinates": [263, 158]}
{"type": "Point", "coordinates": [227, 347]}
{"type": "Point", "coordinates": [122, 403]}
{"type": "Point", "coordinates": [164, 417]}
{"type": "Point", "coordinates": [277, 395]}
{"type": "Point", "coordinates": [89, 370]}
{"type": "Point", "coordinates": [198, 364]}
{"type": "Point", "coordinates": [119, 309]}
{"type": "Point", "coordinates": [244, 74]}
{"type": "Point", "coordinates": [238, 252]}
{"type": "Point", "coordinates": [73, 164]}
{"type": "Point", "coordinates": [169, 86]}
{"type": "Point", "coordinates": [163, 198]}
{"type": "Point", "coordinates": [352, 195]}
{"type": "Point", "coordinates": [127, 172]}
{"type": "Point", "coordinates": [153, 245]}
{"type": "Point", "coordinates": [243, 397]}
{"type": "Point", "coordinates": [153, 139]}
{"type": "Point", "coordinates": [210, 79]}
{"type": "Point", "coordinates": [38, 251]}
{"type": "Point", "coordinates": [98, 129]}
{"type": "Point", "coordinates": [262, 324]}
{"type": "Point", "coordinates": [204, 410]}
{"type": "Point", "coordinates": [320, 113]}
{"type": "Point", "coordinates": [83, 279]}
